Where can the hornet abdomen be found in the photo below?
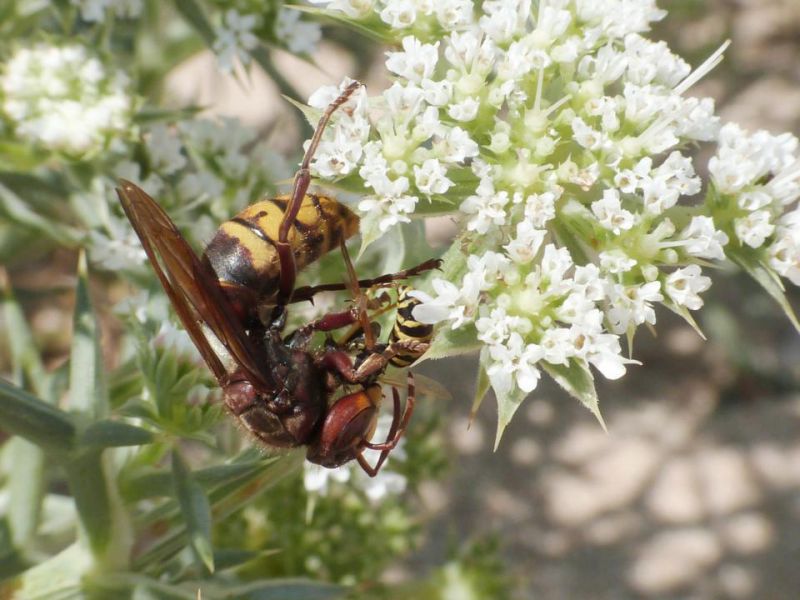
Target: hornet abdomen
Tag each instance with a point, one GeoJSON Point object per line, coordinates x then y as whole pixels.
{"type": "Point", "coordinates": [242, 253]}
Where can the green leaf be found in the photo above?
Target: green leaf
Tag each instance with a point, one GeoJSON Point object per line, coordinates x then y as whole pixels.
{"type": "Point", "coordinates": [105, 526]}
{"type": "Point", "coordinates": [196, 511]}
{"type": "Point", "coordinates": [25, 487]}
{"type": "Point", "coordinates": [87, 379]}
{"type": "Point", "coordinates": [37, 421]}
{"type": "Point", "coordinates": [369, 228]}
{"type": "Point", "coordinates": [453, 342]}
{"type": "Point", "coordinates": [224, 499]}
{"type": "Point", "coordinates": [114, 434]}
{"type": "Point", "coordinates": [11, 562]}
{"type": "Point", "coordinates": [160, 483]}
{"type": "Point", "coordinates": [577, 380]}
{"type": "Point", "coordinates": [378, 32]}
{"type": "Point", "coordinates": [17, 210]}
{"type": "Point", "coordinates": [765, 276]}
{"type": "Point", "coordinates": [507, 405]}
{"type": "Point", "coordinates": [25, 359]}
{"type": "Point", "coordinates": [194, 14]}
{"type": "Point", "coordinates": [482, 386]}
{"type": "Point", "coordinates": [686, 314]}
{"type": "Point", "coordinates": [286, 589]}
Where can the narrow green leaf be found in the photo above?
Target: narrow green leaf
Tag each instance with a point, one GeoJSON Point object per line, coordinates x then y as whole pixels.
{"type": "Point", "coordinates": [25, 483]}
{"type": "Point", "coordinates": [87, 482]}
{"type": "Point", "coordinates": [376, 31]}
{"type": "Point", "coordinates": [11, 562]}
{"type": "Point", "coordinates": [26, 415]}
{"type": "Point", "coordinates": [224, 499]}
{"type": "Point", "coordinates": [160, 484]}
{"type": "Point", "coordinates": [87, 381]}
{"type": "Point", "coordinates": [57, 578]}
{"type": "Point", "coordinates": [196, 17]}
{"type": "Point", "coordinates": [577, 380]}
{"type": "Point", "coordinates": [766, 278]}
{"type": "Point", "coordinates": [105, 528]}
{"type": "Point", "coordinates": [196, 510]}
{"type": "Point", "coordinates": [686, 315]}
{"type": "Point", "coordinates": [114, 434]}
{"type": "Point", "coordinates": [286, 589]}
{"type": "Point", "coordinates": [17, 210]}
{"type": "Point", "coordinates": [25, 487]}
{"type": "Point", "coordinates": [482, 386]}
{"type": "Point", "coordinates": [25, 357]}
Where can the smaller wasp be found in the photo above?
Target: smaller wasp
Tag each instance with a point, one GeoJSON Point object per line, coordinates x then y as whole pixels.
{"type": "Point", "coordinates": [283, 391]}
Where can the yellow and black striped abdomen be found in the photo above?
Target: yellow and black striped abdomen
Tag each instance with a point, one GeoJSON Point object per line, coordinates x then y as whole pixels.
{"type": "Point", "coordinates": [242, 252]}
{"type": "Point", "coordinates": [407, 328]}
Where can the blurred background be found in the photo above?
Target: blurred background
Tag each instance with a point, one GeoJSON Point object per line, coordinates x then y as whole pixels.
{"type": "Point", "coordinates": [694, 492]}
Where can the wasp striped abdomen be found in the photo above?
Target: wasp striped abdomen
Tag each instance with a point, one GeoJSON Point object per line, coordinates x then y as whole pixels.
{"type": "Point", "coordinates": [406, 328]}
{"type": "Point", "coordinates": [243, 254]}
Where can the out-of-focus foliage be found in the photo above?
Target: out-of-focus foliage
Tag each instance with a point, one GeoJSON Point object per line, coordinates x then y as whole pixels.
{"type": "Point", "coordinates": [120, 474]}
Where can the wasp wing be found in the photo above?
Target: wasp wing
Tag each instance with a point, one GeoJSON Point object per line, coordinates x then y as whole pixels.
{"type": "Point", "coordinates": [425, 386]}
{"type": "Point", "coordinates": [192, 287]}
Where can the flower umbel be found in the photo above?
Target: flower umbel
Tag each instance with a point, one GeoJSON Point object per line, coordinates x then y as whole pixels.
{"type": "Point", "coordinates": [554, 132]}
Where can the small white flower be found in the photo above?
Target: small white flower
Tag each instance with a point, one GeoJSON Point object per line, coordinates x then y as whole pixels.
{"type": "Point", "coordinates": [684, 286]}
{"type": "Point", "coordinates": [417, 61]}
{"type": "Point", "coordinates": [399, 14]}
{"type": "Point", "coordinates": [164, 148]}
{"type": "Point", "coordinates": [300, 37]}
{"type": "Point", "coordinates": [524, 248]}
{"type": "Point", "coordinates": [754, 228]}
{"type": "Point", "coordinates": [610, 214]}
{"type": "Point", "coordinates": [235, 39]}
{"type": "Point", "coordinates": [616, 261]}
{"type": "Point", "coordinates": [466, 110]}
{"type": "Point", "coordinates": [431, 177]}
{"type": "Point", "coordinates": [703, 239]}
{"type": "Point", "coordinates": [316, 479]}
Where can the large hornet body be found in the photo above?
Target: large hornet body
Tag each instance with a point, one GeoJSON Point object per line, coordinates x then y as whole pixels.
{"type": "Point", "coordinates": [283, 391]}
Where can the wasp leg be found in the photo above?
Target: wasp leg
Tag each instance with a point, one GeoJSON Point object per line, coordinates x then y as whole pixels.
{"type": "Point", "coordinates": [302, 180]}
{"type": "Point", "coordinates": [307, 292]}
{"type": "Point", "coordinates": [339, 362]}
{"type": "Point", "coordinates": [396, 431]}
{"type": "Point", "coordinates": [359, 299]}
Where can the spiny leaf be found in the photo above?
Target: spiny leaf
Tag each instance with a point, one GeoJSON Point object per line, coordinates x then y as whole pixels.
{"type": "Point", "coordinates": [507, 405]}
{"type": "Point", "coordinates": [26, 415]}
{"type": "Point", "coordinates": [577, 380]}
{"type": "Point", "coordinates": [114, 434]}
{"type": "Point", "coordinates": [159, 484]}
{"type": "Point", "coordinates": [766, 278]}
{"type": "Point", "coordinates": [87, 380]}
{"type": "Point", "coordinates": [482, 386]}
{"type": "Point", "coordinates": [18, 211]}
{"type": "Point", "coordinates": [686, 314]}
{"type": "Point", "coordinates": [196, 511]}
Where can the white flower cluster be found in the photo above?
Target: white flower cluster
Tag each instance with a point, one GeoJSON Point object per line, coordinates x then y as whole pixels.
{"type": "Point", "coordinates": [198, 162]}
{"type": "Point", "coordinates": [96, 10]}
{"type": "Point", "coordinates": [757, 179]}
{"type": "Point", "coordinates": [64, 99]}
{"type": "Point", "coordinates": [236, 37]}
{"type": "Point", "coordinates": [555, 130]}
